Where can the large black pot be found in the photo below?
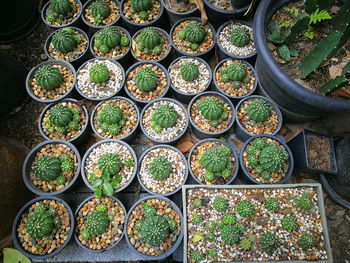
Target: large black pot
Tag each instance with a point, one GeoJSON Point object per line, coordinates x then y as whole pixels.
{"type": "Point", "coordinates": [296, 102]}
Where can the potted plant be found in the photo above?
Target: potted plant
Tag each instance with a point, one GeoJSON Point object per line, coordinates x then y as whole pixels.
{"type": "Point", "coordinates": [164, 120]}
{"type": "Point", "coordinates": [255, 223]}
{"type": "Point", "coordinates": [211, 114]}
{"type": "Point", "coordinates": [116, 118]}
{"type": "Point", "coordinates": [43, 227]}
{"type": "Point", "coordinates": [163, 170]}
{"type": "Point", "coordinates": [66, 120]}
{"type": "Point", "coordinates": [108, 167]}
{"type": "Point", "coordinates": [266, 159]}
{"type": "Point", "coordinates": [154, 212]}
{"type": "Point", "coordinates": [99, 79]}
{"type": "Point", "coordinates": [51, 81]}
{"type": "Point", "coordinates": [99, 223]}
{"type": "Point", "coordinates": [213, 161]}
{"type": "Point", "coordinates": [61, 13]}
{"type": "Point", "coordinates": [146, 81]}
{"type": "Point", "coordinates": [51, 167]}
{"type": "Point", "coordinates": [235, 78]}
{"type": "Point", "coordinates": [188, 77]}
{"type": "Point", "coordinates": [257, 115]}
{"type": "Point", "coordinates": [178, 9]}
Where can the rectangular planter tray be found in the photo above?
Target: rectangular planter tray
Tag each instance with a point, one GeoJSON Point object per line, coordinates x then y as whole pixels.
{"type": "Point", "coordinates": [319, 202]}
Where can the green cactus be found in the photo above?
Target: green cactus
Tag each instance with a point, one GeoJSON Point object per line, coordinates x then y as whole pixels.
{"type": "Point", "coordinates": [154, 230]}
{"type": "Point", "coordinates": [240, 36]}
{"type": "Point", "coordinates": [290, 223]}
{"type": "Point", "coordinates": [229, 234]}
{"type": "Point", "coordinates": [225, 78]}
{"type": "Point", "coordinates": [196, 219]}
{"type": "Point", "coordinates": [48, 77]}
{"type": "Point", "coordinates": [149, 210]}
{"type": "Point", "coordinates": [172, 225]}
{"type": "Point", "coordinates": [226, 173]}
{"type": "Point", "coordinates": [114, 128]}
{"type": "Point", "coordinates": [230, 218]}
{"type": "Point", "coordinates": [85, 234]}
{"type": "Point", "coordinates": [109, 163]}
{"type": "Point", "coordinates": [61, 7]}
{"type": "Point", "coordinates": [237, 71]}
{"type": "Point", "coordinates": [197, 202]}
{"type": "Point", "coordinates": [111, 114]}
{"type": "Point", "coordinates": [149, 38]}
{"type": "Point", "coordinates": [195, 32]}
{"type": "Point", "coordinates": [197, 256]}
{"type": "Point", "coordinates": [272, 204]}
{"type": "Point", "coordinates": [160, 168]}
{"type": "Point", "coordinates": [236, 84]}
{"type": "Point", "coordinates": [96, 223]}
{"type": "Point", "coordinates": [60, 115]}
{"type": "Point", "coordinates": [213, 253]}
{"type": "Point", "coordinates": [73, 125]}
{"type": "Point", "coordinates": [67, 166]}
{"type": "Point", "coordinates": [64, 41]}
{"type": "Point", "coordinates": [141, 5]}
{"type": "Point", "coordinates": [210, 225]}
{"type": "Point", "coordinates": [305, 202]}
{"type": "Point", "coordinates": [146, 79]}
{"type": "Point", "coordinates": [211, 108]}
{"type": "Point", "coordinates": [124, 41]}
{"type": "Point", "coordinates": [100, 9]}
{"type": "Point", "coordinates": [189, 71]}
{"type": "Point", "coordinates": [102, 208]}
{"type": "Point", "coordinates": [209, 176]}
{"type": "Point", "coordinates": [260, 143]}
{"type": "Point", "coordinates": [99, 73]}
{"type": "Point", "coordinates": [245, 208]}
{"type": "Point", "coordinates": [334, 84]}
{"type": "Point", "coordinates": [214, 160]}
{"type": "Point", "coordinates": [47, 168]}
{"type": "Point", "coordinates": [40, 208]}
{"type": "Point", "coordinates": [273, 158]}
{"type": "Point", "coordinates": [220, 204]}
{"type": "Point", "coordinates": [61, 180]}
{"type": "Point", "coordinates": [109, 37]}
{"type": "Point", "coordinates": [245, 244]}
{"type": "Point", "coordinates": [269, 241]}
{"type": "Point", "coordinates": [39, 225]}
{"type": "Point", "coordinates": [220, 223]}
{"type": "Point", "coordinates": [143, 15]}
{"type": "Point", "coordinates": [61, 129]}
{"type": "Point", "coordinates": [165, 116]}
{"type": "Point", "coordinates": [306, 241]}
{"type": "Point", "coordinates": [300, 25]}
{"type": "Point", "coordinates": [259, 110]}
{"type": "Point", "coordinates": [253, 151]}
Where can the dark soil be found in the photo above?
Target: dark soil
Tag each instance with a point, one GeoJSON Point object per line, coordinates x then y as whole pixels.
{"type": "Point", "coordinates": [318, 152]}
{"type": "Point", "coordinates": [181, 6]}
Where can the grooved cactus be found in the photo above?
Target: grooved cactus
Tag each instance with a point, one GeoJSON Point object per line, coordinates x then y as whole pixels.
{"type": "Point", "coordinates": [141, 5]}
{"type": "Point", "coordinates": [165, 116]}
{"type": "Point", "coordinates": [47, 168]}
{"type": "Point", "coordinates": [220, 204]}
{"type": "Point", "coordinates": [39, 225]}
{"type": "Point", "coordinates": [160, 168]}
{"type": "Point", "coordinates": [189, 71]}
{"type": "Point", "coordinates": [214, 160]}
{"type": "Point", "coordinates": [111, 114]}
{"type": "Point", "coordinates": [61, 7]}
{"type": "Point", "coordinates": [211, 108]}
{"type": "Point", "coordinates": [64, 41]}
{"type": "Point", "coordinates": [290, 223]}
{"type": "Point", "coordinates": [99, 73]}
{"type": "Point", "coordinates": [259, 110]}
{"type": "Point", "coordinates": [109, 163]}
{"type": "Point", "coordinates": [146, 79]}
{"type": "Point", "coordinates": [48, 77]}
{"type": "Point", "coordinates": [269, 241]}
{"type": "Point", "coordinates": [61, 115]}
{"type": "Point", "coordinates": [154, 230]}
{"type": "Point", "coordinates": [240, 36]}
{"type": "Point", "coordinates": [195, 32]}
{"type": "Point", "coordinates": [237, 71]}
{"type": "Point", "coordinates": [96, 223]}
{"type": "Point", "coordinates": [307, 241]}
{"type": "Point", "coordinates": [273, 158]}
{"type": "Point", "coordinates": [149, 38]}
{"type": "Point", "coordinates": [230, 234]}
{"type": "Point", "coordinates": [245, 208]}
{"type": "Point", "coordinates": [100, 9]}
{"type": "Point", "coordinates": [109, 37]}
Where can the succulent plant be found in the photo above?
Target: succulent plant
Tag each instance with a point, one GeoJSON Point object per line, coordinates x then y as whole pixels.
{"type": "Point", "coordinates": [213, 253]}
{"type": "Point", "coordinates": [60, 115]}
{"type": "Point", "coordinates": [85, 234]}
{"type": "Point", "coordinates": [143, 15]}
{"type": "Point", "coordinates": [102, 208]}
{"type": "Point", "coordinates": [210, 236]}
{"type": "Point", "coordinates": [141, 5]}
{"type": "Point", "coordinates": [146, 79]}
{"type": "Point", "coordinates": [48, 77]}
{"type": "Point", "coordinates": [259, 110]}
{"type": "Point", "coordinates": [269, 241]}
{"type": "Point", "coordinates": [195, 32]}
{"type": "Point", "coordinates": [60, 7]}
{"type": "Point", "coordinates": [196, 219]}
{"type": "Point", "coordinates": [149, 38]}
{"type": "Point", "coordinates": [245, 244]}
{"type": "Point", "coordinates": [230, 218]}
{"type": "Point", "coordinates": [64, 41]}
{"type": "Point", "coordinates": [273, 158]}
{"type": "Point", "coordinates": [110, 114]}
{"type": "Point", "coordinates": [40, 208]}
{"type": "Point", "coordinates": [99, 73]}
{"type": "Point", "coordinates": [209, 176]}
{"type": "Point", "coordinates": [189, 71]}
{"type": "Point", "coordinates": [290, 223]}
{"type": "Point", "coordinates": [211, 108]}
{"type": "Point", "coordinates": [73, 125]}
{"type": "Point", "coordinates": [226, 173]}
{"type": "Point", "coordinates": [245, 208]}
{"type": "Point", "coordinates": [240, 36]}
{"type": "Point", "coordinates": [109, 163]}
{"type": "Point", "coordinates": [149, 210]}
{"type": "Point", "coordinates": [47, 168]}
{"type": "Point", "coordinates": [305, 202]}
{"type": "Point", "coordinates": [220, 223]}
{"type": "Point", "coordinates": [220, 204]}
{"type": "Point", "coordinates": [160, 168]}
{"type": "Point", "coordinates": [306, 241]}
{"type": "Point", "coordinates": [154, 230]}
{"type": "Point", "coordinates": [172, 224]}
{"type": "Point", "coordinates": [197, 256]}
{"type": "Point", "coordinates": [96, 223]}
{"type": "Point", "coordinates": [197, 202]}
{"type": "Point", "coordinates": [210, 225]}
{"type": "Point", "coordinates": [215, 160]}
{"type": "Point", "coordinates": [229, 234]}
{"type": "Point", "coordinates": [100, 9]}
{"type": "Point", "coordinates": [67, 166]}
{"type": "Point", "coordinates": [237, 71]}
{"type": "Point", "coordinates": [39, 225]}
{"type": "Point", "coordinates": [109, 37]}
{"type": "Point", "coordinates": [236, 84]}
{"type": "Point", "coordinates": [165, 116]}
{"type": "Point", "coordinates": [272, 204]}
{"type": "Point", "coordinates": [259, 143]}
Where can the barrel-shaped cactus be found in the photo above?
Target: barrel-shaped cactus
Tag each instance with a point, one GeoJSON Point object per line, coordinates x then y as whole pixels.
{"type": "Point", "coordinates": [269, 241]}
{"type": "Point", "coordinates": [109, 37]}
{"type": "Point", "coordinates": [290, 223]}
{"type": "Point", "coordinates": [61, 115]}
{"type": "Point", "coordinates": [230, 234]}
{"type": "Point", "coordinates": [214, 160]}
{"type": "Point", "coordinates": [111, 114]}
{"type": "Point", "coordinates": [146, 79]}
{"type": "Point", "coordinates": [109, 163]}
{"type": "Point", "coordinates": [245, 208]}
{"type": "Point", "coordinates": [237, 71]}
{"type": "Point", "coordinates": [195, 32]}
{"type": "Point", "coordinates": [149, 38]}
{"type": "Point", "coordinates": [211, 108]}
{"type": "Point", "coordinates": [220, 204]}
{"type": "Point", "coordinates": [259, 110]}
{"type": "Point", "coordinates": [100, 9]}
{"type": "Point", "coordinates": [154, 230]}
{"type": "Point", "coordinates": [307, 241]}
{"type": "Point", "coordinates": [165, 116]}
{"type": "Point", "coordinates": [189, 71]}
{"type": "Point", "coordinates": [273, 158]}
{"type": "Point", "coordinates": [160, 168]}
{"type": "Point", "coordinates": [48, 77]}
{"type": "Point", "coordinates": [64, 41]}
{"type": "Point", "coordinates": [61, 7]}
{"type": "Point", "coordinates": [47, 168]}
{"type": "Point", "coordinates": [141, 5]}
{"type": "Point", "coordinates": [39, 225]}
{"type": "Point", "coordinates": [96, 223]}
{"type": "Point", "coordinates": [272, 204]}
{"type": "Point", "coordinates": [240, 36]}
{"type": "Point", "coordinates": [99, 73]}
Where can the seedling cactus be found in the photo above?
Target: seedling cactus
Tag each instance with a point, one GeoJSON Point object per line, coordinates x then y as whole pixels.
{"type": "Point", "coordinates": [189, 71]}
{"type": "Point", "coordinates": [146, 79]}
{"type": "Point", "coordinates": [48, 77]}
{"type": "Point", "coordinates": [47, 168]}
{"type": "Point", "coordinates": [197, 256]}
{"type": "Point", "coordinates": [272, 204]}
{"type": "Point", "coordinates": [196, 219]}
{"type": "Point", "coordinates": [160, 168]}
{"type": "Point", "coordinates": [305, 202]}
{"type": "Point", "coordinates": [154, 230]}
{"type": "Point", "coordinates": [109, 163]}
{"type": "Point", "coordinates": [245, 208]}
{"type": "Point", "coordinates": [230, 234]}
{"type": "Point", "coordinates": [306, 241]}
{"type": "Point", "coordinates": [259, 110]}
{"type": "Point", "coordinates": [245, 244]}
{"type": "Point", "coordinates": [99, 73]}
{"type": "Point", "coordinates": [269, 241]}
{"type": "Point", "coordinates": [64, 40]}
{"type": "Point", "coordinates": [220, 204]}
{"type": "Point", "coordinates": [230, 218]}
{"type": "Point", "coordinates": [96, 223]}
{"type": "Point", "coordinates": [197, 202]}
{"type": "Point", "coordinates": [290, 223]}
{"type": "Point", "coordinates": [240, 36]}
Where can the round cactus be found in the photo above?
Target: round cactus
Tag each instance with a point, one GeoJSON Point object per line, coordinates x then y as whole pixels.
{"type": "Point", "coordinates": [230, 218]}
{"type": "Point", "coordinates": [102, 208]}
{"type": "Point", "coordinates": [259, 143]}
{"type": "Point", "coordinates": [213, 253]}
{"type": "Point", "coordinates": [110, 114]}
{"type": "Point", "coordinates": [114, 128]}
{"type": "Point", "coordinates": [109, 163]}
{"type": "Point", "coordinates": [149, 210]}
{"type": "Point", "coordinates": [172, 225]}
{"type": "Point", "coordinates": [209, 176]}
{"type": "Point", "coordinates": [220, 223]}
{"type": "Point", "coordinates": [195, 32]}
{"type": "Point", "coordinates": [220, 204]}
{"type": "Point", "coordinates": [245, 208]}
{"type": "Point", "coordinates": [197, 256]}
{"type": "Point", "coordinates": [211, 108]}
{"type": "Point", "coordinates": [197, 202]}
{"type": "Point", "coordinates": [154, 230]}
{"type": "Point", "coordinates": [245, 244]}
{"type": "Point", "coordinates": [214, 160]}
{"type": "Point", "coordinates": [269, 241]}
{"type": "Point", "coordinates": [67, 166]}
{"type": "Point", "coordinates": [141, 5]}
{"type": "Point", "coordinates": [306, 241]}
{"type": "Point", "coordinates": [39, 225]}
{"type": "Point", "coordinates": [226, 173]}
{"type": "Point", "coordinates": [272, 204]}
{"type": "Point", "coordinates": [61, 7]}
{"type": "Point", "coordinates": [259, 110]}
{"type": "Point", "coordinates": [64, 41]}
{"type": "Point", "coordinates": [210, 236]}
{"type": "Point", "coordinates": [146, 79]}
{"type": "Point", "coordinates": [143, 15]}
{"type": "Point", "coordinates": [124, 41]}
{"type": "Point", "coordinates": [236, 71]}
{"type": "Point", "coordinates": [109, 37]}
{"type": "Point", "coordinates": [149, 38]}
{"type": "Point", "coordinates": [210, 225]}
{"type": "Point", "coordinates": [48, 77]}
{"type": "Point", "coordinates": [189, 71]}
{"type": "Point", "coordinates": [60, 115]}
{"type": "Point", "coordinates": [240, 36]}
{"type": "Point", "coordinates": [40, 208]}
{"type": "Point", "coordinates": [96, 223]}
{"type": "Point", "coordinates": [273, 158]}
{"type": "Point", "coordinates": [47, 168]}
{"type": "Point", "coordinates": [305, 202]}
{"type": "Point", "coordinates": [230, 234]}
{"type": "Point", "coordinates": [196, 219]}
{"type": "Point", "coordinates": [61, 180]}
{"type": "Point", "coordinates": [160, 168]}
{"type": "Point", "coordinates": [100, 9]}
{"type": "Point", "coordinates": [165, 116]}
{"type": "Point", "coordinates": [290, 223]}
{"type": "Point", "coordinates": [99, 73]}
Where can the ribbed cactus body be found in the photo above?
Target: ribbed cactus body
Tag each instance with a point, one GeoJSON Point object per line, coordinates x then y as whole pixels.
{"type": "Point", "coordinates": [237, 71]}
{"type": "Point", "coordinates": [109, 163]}
{"type": "Point", "coordinates": [273, 158]}
{"type": "Point", "coordinates": [100, 8]}
{"type": "Point", "coordinates": [111, 114]}
{"type": "Point", "coordinates": [96, 223]}
{"type": "Point", "coordinates": [61, 7]}
{"type": "Point", "coordinates": [155, 230]}
{"type": "Point", "coordinates": [220, 204]}
{"type": "Point", "coordinates": [230, 234]}
{"type": "Point", "coordinates": [165, 116]}
{"type": "Point", "coordinates": [60, 115]}
{"type": "Point", "coordinates": [195, 32]}
{"type": "Point", "coordinates": [160, 168]}
{"type": "Point", "coordinates": [214, 160]}
{"type": "Point", "coordinates": [307, 241]}
{"type": "Point", "coordinates": [141, 5]}
{"type": "Point", "coordinates": [269, 241]}
{"type": "Point", "coordinates": [240, 36]}
{"type": "Point", "coordinates": [47, 168]}
{"type": "Point", "coordinates": [290, 223]}
{"type": "Point", "coordinates": [189, 71]}
{"type": "Point", "coordinates": [149, 38]}
{"type": "Point", "coordinates": [48, 77]}
{"type": "Point", "coordinates": [64, 41]}
{"type": "Point", "coordinates": [245, 208]}
{"type": "Point", "coordinates": [259, 110]}
{"type": "Point", "coordinates": [110, 37]}
{"type": "Point", "coordinates": [211, 108]}
{"type": "Point", "coordinates": [99, 73]}
{"type": "Point", "coordinates": [146, 79]}
{"type": "Point", "coordinates": [39, 225]}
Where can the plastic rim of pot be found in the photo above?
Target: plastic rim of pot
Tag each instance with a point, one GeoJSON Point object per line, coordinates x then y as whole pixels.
{"type": "Point", "coordinates": [162, 146]}
{"type": "Point", "coordinates": [201, 134]}
{"type": "Point", "coordinates": [144, 102]}
{"type": "Point", "coordinates": [185, 97]}
{"type": "Point", "coordinates": [241, 132]}
{"type": "Point", "coordinates": [288, 175]}
{"type": "Point", "coordinates": [29, 161]}
{"type": "Point", "coordinates": [18, 218]}
{"type": "Point", "coordinates": [86, 155]}
{"type": "Point", "coordinates": [172, 141]}
{"type": "Point", "coordinates": [212, 140]}
{"type": "Point", "coordinates": [50, 62]}
{"type": "Point", "coordinates": [235, 99]}
{"type": "Point", "coordinates": [104, 98]}
{"type": "Point", "coordinates": [92, 27]}
{"type": "Point", "coordinates": [77, 139]}
{"type": "Point", "coordinates": [240, 3]}
{"type": "Point", "coordinates": [128, 137]}
{"type": "Point", "coordinates": [104, 249]}
{"type": "Point", "coordinates": [167, 54]}
{"type": "Point", "coordinates": [222, 52]}
{"type": "Point", "coordinates": [179, 238]}
{"type": "Point", "coordinates": [175, 16]}
{"type": "Point", "coordinates": [74, 62]}
{"type": "Point", "coordinates": [75, 22]}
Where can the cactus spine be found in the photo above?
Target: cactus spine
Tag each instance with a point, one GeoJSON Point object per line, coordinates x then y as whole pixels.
{"type": "Point", "coordinates": [160, 168]}
{"type": "Point", "coordinates": [48, 77]}
{"type": "Point", "coordinates": [109, 163]}
{"type": "Point", "coordinates": [146, 79]}
{"type": "Point", "coordinates": [96, 223]}
{"type": "Point", "coordinates": [189, 71]}
{"type": "Point", "coordinates": [240, 36]}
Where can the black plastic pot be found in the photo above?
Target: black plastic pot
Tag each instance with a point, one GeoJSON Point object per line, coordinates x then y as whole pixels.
{"type": "Point", "coordinates": [125, 60]}
{"type": "Point", "coordinates": [172, 141]}
{"type": "Point", "coordinates": [75, 62]}
{"type": "Point", "coordinates": [203, 134]}
{"type": "Point", "coordinates": [223, 53]}
{"type": "Point", "coordinates": [15, 238]}
{"type": "Point", "coordinates": [296, 102]}
{"type": "Point", "coordinates": [28, 163]}
{"type": "Point", "coordinates": [241, 133]}
{"type": "Point", "coordinates": [240, 3]}
{"type": "Point", "coordinates": [299, 149]}
{"type": "Point", "coordinates": [213, 140]}
{"type": "Point", "coordinates": [76, 22]}
{"type": "Point", "coordinates": [234, 100]}
{"type": "Point", "coordinates": [205, 55]}
{"type": "Point", "coordinates": [84, 134]}
{"type": "Point", "coordinates": [128, 138]}
{"type": "Point", "coordinates": [184, 97]}
{"type": "Point", "coordinates": [31, 73]}
{"type": "Point", "coordinates": [173, 16]}
{"type": "Point", "coordinates": [86, 155]}
{"type": "Point", "coordinates": [285, 179]}
{"type": "Point", "coordinates": [98, 250]}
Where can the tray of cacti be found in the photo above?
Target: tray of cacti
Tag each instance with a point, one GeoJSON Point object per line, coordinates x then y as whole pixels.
{"type": "Point", "coordinates": [250, 223]}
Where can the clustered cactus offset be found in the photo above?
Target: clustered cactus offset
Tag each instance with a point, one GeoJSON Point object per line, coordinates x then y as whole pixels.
{"type": "Point", "coordinates": [236, 72]}
{"type": "Point", "coordinates": [160, 168]}
{"type": "Point", "coordinates": [146, 79]}
{"type": "Point", "coordinates": [108, 38]}
{"type": "Point", "coordinates": [64, 118]}
{"type": "Point", "coordinates": [240, 36]}
{"type": "Point", "coordinates": [65, 41]}
{"type": "Point", "coordinates": [48, 77]}
{"type": "Point", "coordinates": [149, 40]}
{"type": "Point", "coordinates": [59, 10]}
{"type": "Point", "coordinates": [164, 116]}
{"type": "Point", "coordinates": [111, 119]}
{"type": "Point", "coordinates": [259, 110]}
{"type": "Point", "coordinates": [189, 71]}
{"type": "Point", "coordinates": [99, 10]}
{"type": "Point", "coordinates": [212, 109]}
{"type": "Point", "coordinates": [194, 33]}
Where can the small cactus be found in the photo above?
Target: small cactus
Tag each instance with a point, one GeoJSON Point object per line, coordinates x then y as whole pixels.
{"type": "Point", "coordinates": [269, 241]}
{"type": "Point", "coordinates": [213, 253]}
{"type": "Point", "coordinates": [48, 77]}
{"type": "Point", "coordinates": [39, 225]}
{"type": "Point", "coordinates": [245, 244]}
{"type": "Point", "coordinates": [220, 223]}
{"type": "Point", "coordinates": [61, 180]}
{"type": "Point", "coordinates": [172, 225]}
{"type": "Point", "coordinates": [197, 202]}
{"type": "Point", "coordinates": [189, 71]}
{"type": "Point", "coordinates": [149, 38]}
{"type": "Point", "coordinates": [273, 158]}
{"type": "Point", "coordinates": [210, 225]}
{"type": "Point", "coordinates": [154, 230]}
{"type": "Point", "coordinates": [220, 204]}
{"type": "Point", "coordinates": [305, 202]}
{"type": "Point", "coordinates": [209, 176]}
{"type": "Point", "coordinates": [290, 223]}
{"type": "Point", "coordinates": [47, 168]}
{"type": "Point", "coordinates": [60, 115]}
{"type": "Point", "coordinates": [149, 210]}
{"type": "Point", "coordinates": [100, 9]}
{"type": "Point", "coordinates": [146, 79]}
{"type": "Point", "coordinates": [141, 5]}
{"type": "Point", "coordinates": [272, 204]}
{"type": "Point", "coordinates": [306, 241]}
{"type": "Point", "coordinates": [110, 114]}
{"type": "Point", "coordinates": [99, 73]}
{"type": "Point", "coordinates": [195, 32]}
{"type": "Point", "coordinates": [109, 163]}
{"type": "Point", "coordinates": [67, 166]}
{"type": "Point", "coordinates": [64, 41]}
{"type": "Point", "coordinates": [237, 71]}
{"type": "Point", "coordinates": [96, 223]}
{"type": "Point", "coordinates": [240, 36]}
{"type": "Point", "coordinates": [196, 219]}
{"type": "Point", "coordinates": [165, 116]}
{"type": "Point", "coordinates": [109, 37]}
{"type": "Point", "coordinates": [259, 143]}
{"type": "Point", "coordinates": [245, 208]}
{"type": "Point", "coordinates": [61, 7]}
{"type": "Point", "coordinates": [211, 108]}
{"type": "Point", "coordinates": [259, 110]}
{"type": "Point", "coordinates": [197, 256]}
{"type": "Point", "coordinates": [230, 218]}
{"type": "Point", "coordinates": [230, 234]}
{"type": "Point", "coordinates": [160, 168]}
{"type": "Point", "coordinates": [214, 160]}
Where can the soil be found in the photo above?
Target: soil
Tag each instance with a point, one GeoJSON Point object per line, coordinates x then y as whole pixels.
{"type": "Point", "coordinates": [179, 7]}
{"type": "Point", "coordinates": [318, 152]}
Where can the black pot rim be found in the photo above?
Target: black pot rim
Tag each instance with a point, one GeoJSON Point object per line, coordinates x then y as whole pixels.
{"type": "Point", "coordinates": [291, 159]}
{"type": "Point", "coordinates": [75, 233]}
{"type": "Point", "coordinates": [332, 193]}
{"type": "Point", "coordinates": [23, 209]}
{"type": "Point", "coordinates": [113, 98]}
{"type": "Point", "coordinates": [87, 153]}
{"type": "Point", "coordinates": [164, 99]}
{"type": "Point", "coordinates": [198, 19]}
{"type": "Point", "coordinates": [239, 10]}
{"type": "Point", "coordinates": [50, 62]}
{"type": "Point", "coordinates": [237, 163]}
{"type": "Point", "coordinates": [179, 238]}
{"type": "Point", "coordinates": [294, 89]}
{"type": "Point", "coordinates": [190, 12]}
{"type": "Point", "coordinates": [162, 146]}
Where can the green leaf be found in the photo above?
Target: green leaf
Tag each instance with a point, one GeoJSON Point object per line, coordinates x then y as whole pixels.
{"type": "Point", "coordinates": [346, 69]}
{"type": "Point", "coordinates": [117, 178]}
{"type": "Point", "coordinates": [293, 52]}
{"type": "Point", "coordinates": [105, 176]}
{"type": "Point", "coordinates": [274, 27]}
{"type": "Point", "coordinates": [334, 84]}
{"type": "Point", "coordinates": [11, 255]}
{"type": "Point", "coordinates": [275, 38]}
{"type": "Point", "coordinates": [92, 177]}
{"type": "Point", "coordinates": [98, 192]}
{"type": "Point", "coordinates": [97, 183]}
{"type": "Point", "coordinates": [107, 188]}
{"type": "Point", "coordinates": [51, 129]}
{"type": "Point", "coordinates": [284, 52]}
{"type": "Point", "coordinates": [318, 16]}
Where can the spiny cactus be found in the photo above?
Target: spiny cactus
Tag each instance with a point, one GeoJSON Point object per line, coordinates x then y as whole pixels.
{"type": "Point", "coordinates": [154, 230]}
{"type": "Point", "coordinates": [260, 143]}
{"type": "Point", "coordinates": [209, 176]}
{"type": "Point", "coordinates": [165, 116]}
{"type": "Point", "coordinates": [290, 223]}
{"type": "Point", "coordinates": [211, 108]}
{"type": "Point", "coordinates": [141, 5]}
{"type": "Point", "coordinates": [143, 15]}
{"type": "Point", "coordinates": [67, 166]}
{"type": "Point", "coordinates": [61, 180]}
{"type": "Point", "coordinates": [149, 38]}
{"type": "Point", "coordinates": [61, 7]}
{"type": "Point", "coordinates": [306, 241]}
{"type": "Point", "coordinates": [240, 36]}
{"type": "Point", "coordinates": [210, 225]}
{"type": "Point", "coordinates": [99, 73]}
{"type": "Point", "coordinates": [220, 204]}
{"type": "Point", "coordinates": [48, 77]}
{"type": "Point", "coordinates": [47, 168]}
{"type": "Point", "coordinates": [148, 210]}
{"type": "Point", "coordinates": [245, 208]}
{"type": "Point", "coordinates": [237, 71]}
{"type": "Point", "coordinates": [230, 218]}
{"type": "Point", "coordinates": [109, 37]}
{"type": "Point", "coordinates": [110, 114]}
{"type": "Point", "coordinates": [60, 115]}
{"type": "Point", "coordinates": [273, 158]}
{"type": "Point", "coordinates": [215, 159]}
{"type": "Point", "coordinates": [272, 204]}
{"type": "Point", "coordinates": [96, 223]}
{"type": "Point", "coordinates": [160, 168]}
{"type": "Point", "coordinates": [213, 253]}
{"type": "Point", "coordinates": [220, 223]}
{"type": "Point", "coordinates": [197, 202]}
{"type": "Point", "coordinates": [197, 256]}
{"type": "Point", "coordinates": [269, 241]}
{"type": "Point", "coordinates": [196, 219]}
{"type": "Point", "coordinates": [259, 110]}
{"type": "Point", "coordinates": [39, 224]}
{"type": "Point", "coordinates": [109, 163]}
{"type": "Point", "coordinates": [305, 202]}
{"type": "Point", "coordinates": [245, 244]}
{"type": "Point", "coordinates": [189, 71]}
{"type": "Point", "coordinates": [100, 9]}
{"type": "Point", "coordinates": [230, 234]}
{"type": "Point", "coordinates": [64, 40]}
{"type": "Point", "coordinates": [146, 79]}
{"type": "Point", "coordinates": [195, 32]}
